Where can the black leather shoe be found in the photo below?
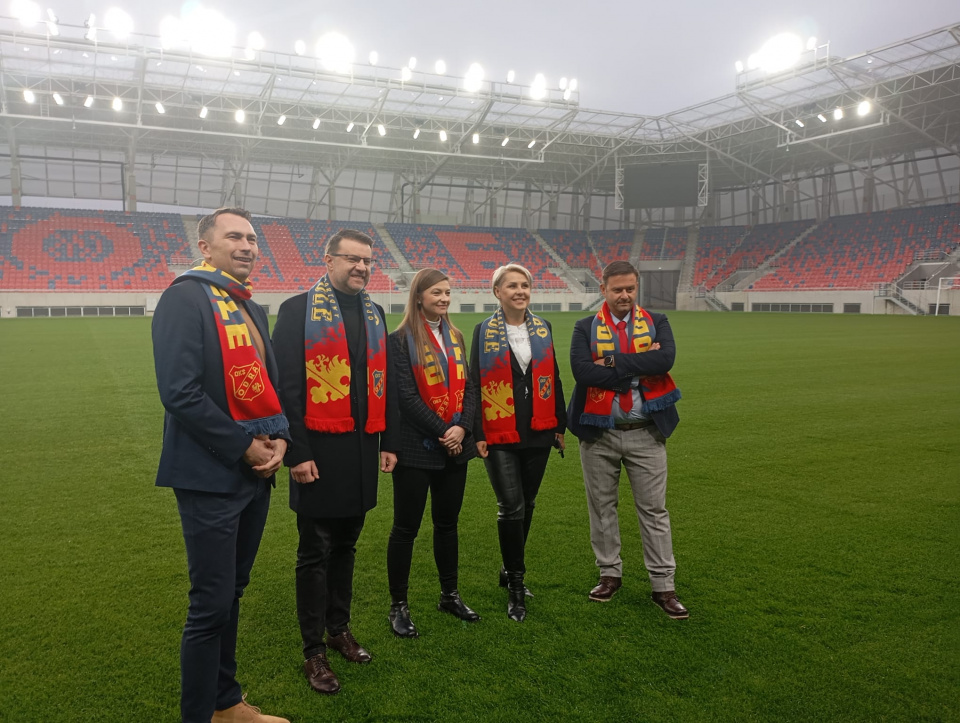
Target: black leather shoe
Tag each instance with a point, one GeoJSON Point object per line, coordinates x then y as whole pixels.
{"type": "Point", "coordinates": [668, 602]}
{"type": "Point", "coordinates": [516, 604]}
{"type": "Point", "coordinates": [450, 602]}
{"type": "Point", "coordinates": [503, 582]}
{"type": "Point", "coordinates": [400, 621]}
{"type": "Point", "coordinates": [322, 678]}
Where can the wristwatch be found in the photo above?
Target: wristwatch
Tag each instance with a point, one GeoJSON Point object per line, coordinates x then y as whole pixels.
{"type": "Point", "coordinates": [608, 361]}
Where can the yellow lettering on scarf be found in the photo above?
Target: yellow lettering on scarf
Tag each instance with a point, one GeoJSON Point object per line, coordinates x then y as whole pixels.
{"type": "Point", "coordinates": [431, 369]}
{"type": "Point", "coordinates": [458, 355]}
{"type": "Point", "coordinates": [641, 334]}
{"type": "Point", "coordinates": [604, 341]}
{"type": "Point", "coordinates": [227, 307]}
{"type": "Point", "coordinates": [321, 313]}
{"type": "Point", "coordinates": [237, 335]}
{"type": "Point", "coordinates": [491, 339]}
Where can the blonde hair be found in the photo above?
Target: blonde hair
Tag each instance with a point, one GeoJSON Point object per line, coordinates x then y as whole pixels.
{"type": "Point", "coordinates": [504, 270]}
{"type": "Point", "coordinates": [412, 317]}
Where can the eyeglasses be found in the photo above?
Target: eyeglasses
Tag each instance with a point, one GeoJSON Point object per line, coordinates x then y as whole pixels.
{"type": "Point", "coordinates": [355, 260]}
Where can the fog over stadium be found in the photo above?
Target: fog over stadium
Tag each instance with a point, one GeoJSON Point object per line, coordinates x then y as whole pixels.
{"type": "Point", "coordinates": [628, 56]}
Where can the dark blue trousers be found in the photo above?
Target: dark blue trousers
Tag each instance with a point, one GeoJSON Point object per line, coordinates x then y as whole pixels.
{"type": "Point", "coordinates": [222, 534]}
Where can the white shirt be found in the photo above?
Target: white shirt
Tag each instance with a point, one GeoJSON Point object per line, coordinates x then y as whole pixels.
{"type": "Point", "coordinates": [519, 341]}
{"type": "Point", "coordinates": [437, 334]}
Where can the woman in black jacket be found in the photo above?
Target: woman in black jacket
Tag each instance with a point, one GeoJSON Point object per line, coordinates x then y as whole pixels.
{"type": "Point", "coordinates": [522, 415]}
{"type": "Point", "coordinates": [437, 401]}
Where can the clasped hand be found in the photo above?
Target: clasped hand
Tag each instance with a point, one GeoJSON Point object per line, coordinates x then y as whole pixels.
{"type": "Point", "coordinates": [452, 440]}
{"type": "Point", "coordinates": [265, 455]}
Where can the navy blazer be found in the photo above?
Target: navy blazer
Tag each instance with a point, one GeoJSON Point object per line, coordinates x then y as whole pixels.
{"type": "Point", "coordinates": [203, 446]}
{"type": "Point", "coordinates": [626, 366]}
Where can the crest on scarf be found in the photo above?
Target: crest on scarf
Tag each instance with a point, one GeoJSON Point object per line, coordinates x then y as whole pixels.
{"type": "Point", "coordinates": [247, 381]}
{"type": "Point", "coordinates": [499, 397]}
{"type": "Point", "coordinates": [597, 394]}
{"type": "Point", "coordinates": [440, 404]}
{"type": "Point", "coordinates": [378, 384]}
{"type": "Point", "coordinates": [544, 387]}
{"type": "Point", "coordinates": [332, 377]}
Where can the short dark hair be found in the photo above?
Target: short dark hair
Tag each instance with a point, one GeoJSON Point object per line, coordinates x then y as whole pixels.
{"type": "Point", "coordinates": [209, 221]}
{"type": "Point", "coordinates": [333, 243]}
{"type": "Point", "coordinates": [619, 268]}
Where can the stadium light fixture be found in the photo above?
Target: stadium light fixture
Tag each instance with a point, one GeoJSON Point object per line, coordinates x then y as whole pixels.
{"type": "Point", "coordinates": [531, 144]}
{"type": "Point", "coordinates": [864, 108]}
{"type": "Point", "coordinates": [440, 67]}
{"type": "Point", "coordinates": [91, 25]}
{"type": "Point", "coordinates": [255, 40]}
{"type": "Point", "coordinates": [573, 84]}
{"type": "Point", "coordinates": [281, 120]}
{"type": "Point", "coordinates": [249, 53]}
{"type": "Point", "coordinates": [58, 99]}
{"type": "Point", "coordinates": [505, 141]}
{"type": "Point", "coordinates": [373, 57]}
{"type": "Point", "coordinates": [88, 102]}
{"type": "Point", "coordinates": [738, 66]}
{"type": "Point", "coordinates": [563, 83]}
{"type": "Point", "coordinates": [838, 114]}
{"type": "Point", "coordinates": [172, 32]}
{"type": "Point", "coordinates": [412, 63]}
{"type": "Point", "coordinates": [336, 53]}
{"type": "Point", "coordinates": [406, 74]}
{"type": "Point", "coordinates": [203, 112]}
{"type": "Point", "coordinates": [811, 43]}
{"type": "Point", "coordinates": [349, 126]}
{"type": "Point", "coordinates": [239, 116]}
{"type": "Point", "coordinates": [443, 136]}
{"type": "Point", "coordinates": [160, 109]}
{"type": "Point", "coordinates": [476, 138]}
{"type": "Point", "coordinates": [539, 88]}
{"type": "Point", "coordinates": [381, 129]}
{"type": "Point", "coordinates": [821, 117]}
{"type": "Point", "coordinates": [53, 23]}
{"type": "Point", "coordinates": [416, 133]}
{"type": "Point", "coordinates": [117, 104]}
{"type": "Point", "coordinates": [118, 23]}
{"type": "Point", "coordinates": [316, 123]}
{"type": "Point", "coordinates": [474, 78]}
{"type": "Point", "coordinates": [29, 96]}
{"type": "Point", "coordinates": [299, 47]}
{"type": "Point", "coordinates": [510, 76]}
{"type": "Point", "coordinates": [26, 11]}
{"type": "Point", "coordinates": [567, 94]}
{"type": "Point", "coordinates": [779, 53]}
{"type": "Point", "coordinates": [799, 122]}
{"type": "Point", "coordinates": [208, 32]}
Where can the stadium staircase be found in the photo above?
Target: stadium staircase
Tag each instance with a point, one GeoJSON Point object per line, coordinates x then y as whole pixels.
{"type": "Point", "coordinates": [636, 250]}
{"type": "Point", "coordinates": [393, 248]}
{"type": "Point", "coordinates": [563, 269]}
{"type": "Point", "coordinates": [689, 258]}
{"type": "Point", "coordinates": [765, 268]}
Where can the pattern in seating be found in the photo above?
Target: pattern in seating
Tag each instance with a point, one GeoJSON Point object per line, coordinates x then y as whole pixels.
{"type": "Point", "coordinates": [574, 248]}
{"type": "Point", "coordinates": [855, 252]}
{"type": "Point", "coordinates": [663, 244]}
{"type": "Point", "coordinates": [714, 247]}
{"type": "Point", "coordinates": [79, 250]}
{"type": "Point", "coordinates": [469, 255]}
{"type": "Point", "coordinates": [613, 245]}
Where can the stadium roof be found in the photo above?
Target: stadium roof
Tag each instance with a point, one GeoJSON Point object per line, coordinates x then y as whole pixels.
{"type": "Point", "coordinates": [750, 136]}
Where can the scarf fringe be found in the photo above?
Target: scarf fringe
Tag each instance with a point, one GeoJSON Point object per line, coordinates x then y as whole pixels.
{"type": "Point", "coordinates": [661, 403]}
{"type": "Point", "coordinates": [597, 420]}
{"type": "Point", "coordinates": [503, 437]}
{"type": "Point", "coordinates": [331, 426]}
{"type": "Point", "coordinates": [542, 424]}
{"type": "Point", "coordinates": [276, 424]}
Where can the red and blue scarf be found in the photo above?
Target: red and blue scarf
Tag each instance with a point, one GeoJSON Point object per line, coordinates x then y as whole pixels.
{"type": "Point", "coordinates": [441, 386]}
{"type": "Point", "coordinates": [658, 392]}
{"type": "Point", "coordinates": [328, 364]}
{"type": "Point", "coordinates": [252, 400]}
{"type": "Point", "coordinates": [496, 378]}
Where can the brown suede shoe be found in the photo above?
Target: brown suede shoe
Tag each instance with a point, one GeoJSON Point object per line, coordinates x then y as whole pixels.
{"type": "Point", "coordinates": [348, 647]}
{"type": "Point", "coordinates": [322, 678]}
{"type": "Point", "coordinates": [606, 588]}
{"type": "Point", "coordinates": [243, 712]}
{"type": "Point", "coordinates": [671, 606]}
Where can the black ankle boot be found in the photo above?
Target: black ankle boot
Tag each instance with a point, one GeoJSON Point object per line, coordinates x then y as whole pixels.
{"type": "Point", "coordinates": [400, 621]}
{"type": "Point", "coordinates": [450, 602]}
{"type": "Point", "coordinates": [504, 582]}
{"type": "Point", "coordinates": [516, 603]}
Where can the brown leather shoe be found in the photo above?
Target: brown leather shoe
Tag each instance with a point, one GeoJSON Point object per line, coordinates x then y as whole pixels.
{"type": "Point", "coordinates": [348, 647]}
{"type": "Point", "coordinates": [243, 712]}
{"type": "Point", "coordinates": [671, 606]}
{"type": "Point", "coordinates": [322, 678]}
{"type": "Point", "coordinates": [606, 588]}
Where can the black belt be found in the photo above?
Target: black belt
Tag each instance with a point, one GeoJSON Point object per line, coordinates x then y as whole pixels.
{"type": "Point", "coordinates": [634, 425]}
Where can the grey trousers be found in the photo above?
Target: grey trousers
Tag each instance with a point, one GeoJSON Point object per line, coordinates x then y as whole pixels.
{"type": "Point", "coordinates": [643, 453]}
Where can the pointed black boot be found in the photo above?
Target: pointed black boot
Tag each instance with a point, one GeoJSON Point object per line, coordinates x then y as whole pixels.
{"type": "Point", "coordinates": [450, 602]}
{"type": "Point", "coordinates": [516, 603]}
{"type": "Point", "coordinates": [400, 621]}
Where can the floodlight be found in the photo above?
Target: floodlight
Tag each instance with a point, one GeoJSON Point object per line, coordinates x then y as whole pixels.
{"type": "Point", "coordinates": [335, 52]}
{"type": "Point", "coordinates": [172, 32]}
{"type": "Point", "coordinates": [58, 99]}
{"type": "Point", "coordinates": [53, 27]}
{"type": "Point", "coordinates": [531, 144]}
{"type": "Point", "coordinates": [316, 123]}
{"type": "Point", "coordinates": [281, 120]}
{"type": "Point", "coordinates": [119, 23]}
{"type": "Point", "coordinates": [29, 96]}
{"type": "Point", "coordinates": [780, 52]}
{"type": "Point", "coordinates": [26, 11]}
{"type": "Point", "coordinates": [209, 32]}
{"type": "Point", "coordinates": [864, 107]}
{"type": "Point", "coordinates": [799, 122]}
{"type": "Point", "coordinates": [573, 84]}
{"type": "Point", "coordinates": [90, 25]}
{"type": "Point", "coordinates": [412, 63]}
{"type": "Point", "coordinates": [160, 109]}
{"type": "Point", "coordinates": [255, 40]}
{"type": "Point", "coordinates": [566, 94]}
{"type": "Point", "coordinates": [738, 66]}
{"type": "Point", "coordinates": [381, 129]}
{"type": "Point", "coordinates": [249, 53]}
{"type": "Point", "coordinates": [374, 57]}
{"type": "Point", "coordinates": [88, 102]}
{"type": "Point", "coordinates": [510, 76]}
{"type": "Point", "coordinates": [440, 67]}
{"type": "Point", "coordinates": [239, 116]}
{"type": "Point", "coordinates": [117, 104]}
{"type": "Point", "coordinates": [811, 43]}
{"type": "Point", "coordinates": [416, 133]}
{"type": "Point", "coordinates": [838, 114]}
{"type": "Point", "coordinates": [405, 74]}
{"type": "Point", "coordinates": [562, 84]}
{"type": "Point", "coordinates": [539, 88]}
{"type": "Point", "coordinates": [349, 126]}
{"type": "Point", "coordinates": [203, 112]}
{"type": "Point", "coordinates": [476, 138]}
{"type": "Point", "coordinates": [821, 117]}
{"type": "Point", "coordinates": [505, 141]}
{"type": "Point", "coordinates": [474, 78]}
{"type": "Point", "coordinates": [443, 136]}
{"type": "Point", "coordinates": [299, 47]}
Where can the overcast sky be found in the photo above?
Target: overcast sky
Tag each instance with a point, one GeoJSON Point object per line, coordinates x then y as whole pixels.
{"type": "Point", "coordinates": [627, 55]}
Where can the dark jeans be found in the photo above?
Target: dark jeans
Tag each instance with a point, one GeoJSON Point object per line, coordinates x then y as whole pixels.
{"type": "Point", "coordinates": [515, 475]}
{"type": "Point", "coordinates": [325, 557]}
{"type": "Point", "coordinates": [410, 487]}
{"type": "Point", "coordinates": [222, 534]}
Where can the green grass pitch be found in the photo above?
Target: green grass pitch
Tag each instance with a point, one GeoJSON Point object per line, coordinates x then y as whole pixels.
{"type": "Point", "coordinates": [815, 498]}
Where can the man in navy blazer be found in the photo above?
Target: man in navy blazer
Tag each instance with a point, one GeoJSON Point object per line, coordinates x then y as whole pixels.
{"type": "Point", "coordinates": [220, 473]}
{"type": "Point", "coordinates": [631, 432]}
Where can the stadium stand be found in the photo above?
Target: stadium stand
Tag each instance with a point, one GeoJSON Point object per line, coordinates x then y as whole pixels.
{"type": "Point", "coordinates": [613, 245]}
{"type": "Point", "coordinates": [855, 252]}
{"type": "Point", "coordinates": [715, 245]}
{"type": "Point", "coordinates": [574, 248]}
{"type": "Point", "coordinates": [757, 246]}
{"type": "Point", "coordinates": [469, 255]}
